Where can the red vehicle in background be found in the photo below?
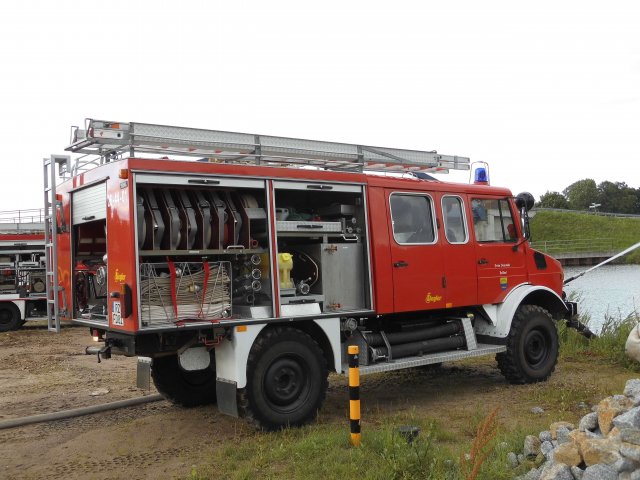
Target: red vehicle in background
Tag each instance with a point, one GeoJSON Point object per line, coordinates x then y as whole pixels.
{"type": "Point", "coordinates": [241, 276]}
{"type": "Point", "coordinates": [22, 268]}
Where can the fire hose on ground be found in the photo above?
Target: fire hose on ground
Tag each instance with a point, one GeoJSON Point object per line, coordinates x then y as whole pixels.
{"type": "Point", "coordinates": [78, 412]}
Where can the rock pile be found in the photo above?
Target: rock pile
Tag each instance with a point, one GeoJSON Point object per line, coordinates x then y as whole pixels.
{"type": "Point", "coordinates": [604, 446]}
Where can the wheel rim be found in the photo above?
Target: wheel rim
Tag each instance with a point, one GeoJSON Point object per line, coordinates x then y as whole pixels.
{"type": "Point", "coordinates": [286, 385]}
{"type": "Point", "coordinates": [536, 348]}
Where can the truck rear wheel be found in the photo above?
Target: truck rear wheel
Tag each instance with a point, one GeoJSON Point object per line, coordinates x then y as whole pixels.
{"type": "Point", "coordinates": [188, 388]}
{"type": "Point", "coordinates": [9, 317]}
{"type": "Point", "coordinates": [286, 380]}
{"type": "Point", "coordinates": [532, 346]}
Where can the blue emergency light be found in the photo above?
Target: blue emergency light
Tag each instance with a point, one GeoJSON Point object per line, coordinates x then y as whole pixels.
{"type": "Point", "coordinates": [481, 177]}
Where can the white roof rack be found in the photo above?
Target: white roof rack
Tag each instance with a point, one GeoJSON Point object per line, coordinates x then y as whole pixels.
{"type": "Point", "coordinates": [102, 141]}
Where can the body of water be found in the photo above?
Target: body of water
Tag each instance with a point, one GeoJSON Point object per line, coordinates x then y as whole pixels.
{"type": "Point", "coordinates": [608, 290]}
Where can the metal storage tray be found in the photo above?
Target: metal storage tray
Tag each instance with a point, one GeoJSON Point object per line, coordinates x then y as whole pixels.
{"type": "Point", "coordinates": [308, 226]}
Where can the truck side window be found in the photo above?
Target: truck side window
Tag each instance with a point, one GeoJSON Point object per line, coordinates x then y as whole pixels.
{"type": "Point", "coordinates": [412, 218]}
{"type": "Point", "coordinates": [492, 220]}
{"type": "Point", "coordinates": [455, 227]}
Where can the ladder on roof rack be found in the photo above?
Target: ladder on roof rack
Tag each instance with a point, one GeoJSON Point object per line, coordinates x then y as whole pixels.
{"type": "Point", "coordinates": [106, 141]}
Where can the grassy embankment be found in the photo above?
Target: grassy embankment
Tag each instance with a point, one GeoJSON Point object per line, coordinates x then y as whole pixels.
{"type": "Point", "coordinates": [554, 225]}
{"type": "Point", "coordinates": [448, 405]}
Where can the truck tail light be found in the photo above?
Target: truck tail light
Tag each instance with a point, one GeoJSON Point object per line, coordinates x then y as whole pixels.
{"type": "Point", "coordinates": [96, 335]}
{"type": "Point", "coordinates": [124, 174]}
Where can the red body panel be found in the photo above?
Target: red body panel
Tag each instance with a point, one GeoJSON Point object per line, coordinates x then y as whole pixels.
{"type": "Point", "coordinates": [22, 237]}
{"type": "Point", "coordinates": [440, 275]}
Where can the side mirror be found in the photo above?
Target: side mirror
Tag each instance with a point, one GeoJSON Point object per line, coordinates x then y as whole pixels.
{"type": "Point", "coordinates": [525, 200]}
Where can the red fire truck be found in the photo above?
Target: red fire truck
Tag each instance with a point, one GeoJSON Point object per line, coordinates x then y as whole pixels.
{"type": "Point", "coordinates": [245, 265]}
{"type": "Point", "coordinates": [22, 268]}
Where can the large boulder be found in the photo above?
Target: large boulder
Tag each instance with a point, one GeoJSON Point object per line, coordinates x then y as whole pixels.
{"type": "Point", "coordinates": [600, 472]}
{"type": "Point", "coordinates": [556, 471]}
{"type": "Point", "coordinates": [556, 425]}
{"type": "Point", "coordinates": [603, 450]}
{"type": "Point", "coordinates": [632, 346]}
{"type": "Point", "coordinates": [568, 453]}
{"type": "Point", "coordinates": [610, 408]}
{"type": "Point", "coordinates": [588, 422]}
{"type": "Point", "coordinates": [628, 419]}
{"type": "Point", "coordinates": [531, 446]}
{"type": "Point", "coordinates": [632, 390]}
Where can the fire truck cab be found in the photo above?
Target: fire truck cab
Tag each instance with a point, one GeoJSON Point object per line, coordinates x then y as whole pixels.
{"type": "Point", "coordinates": [242, 276]}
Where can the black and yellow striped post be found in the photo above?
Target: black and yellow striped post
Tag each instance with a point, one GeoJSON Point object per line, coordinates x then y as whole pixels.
{"type": "Point", "coordinates": [354, 395]}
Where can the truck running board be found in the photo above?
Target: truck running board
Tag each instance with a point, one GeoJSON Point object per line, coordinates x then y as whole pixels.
{"type": "Point", "coordinates": [439, 357]}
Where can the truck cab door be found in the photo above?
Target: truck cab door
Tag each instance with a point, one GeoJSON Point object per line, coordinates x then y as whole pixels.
{"type": "Point", "coordinates": [460, 253]}
{"type": "Point", "coordinates": [416, 256]}
{"type": "Point", "coordinates": [499, 267]}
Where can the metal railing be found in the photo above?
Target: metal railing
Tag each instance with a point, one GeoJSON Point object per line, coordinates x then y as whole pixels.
{"type": "Point", "coordinates": [585, 212]}
{"type": "Point", "coordinates": [580, 245]}
{"type": "Point", "coordinates": [32, 215]}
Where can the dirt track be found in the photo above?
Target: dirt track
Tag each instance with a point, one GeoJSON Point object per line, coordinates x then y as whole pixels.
{"type": "Point", "coordinates": [41, 372]}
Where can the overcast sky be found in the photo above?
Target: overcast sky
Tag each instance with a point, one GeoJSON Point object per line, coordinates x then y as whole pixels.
{"type": "Point", "coordinates": [547, 93]}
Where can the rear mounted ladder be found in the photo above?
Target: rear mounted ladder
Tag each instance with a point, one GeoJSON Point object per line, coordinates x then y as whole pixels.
{"type": "Point", "coordinates": [104, 141]}
{"type": "Point", "coordinates": [51, 205]}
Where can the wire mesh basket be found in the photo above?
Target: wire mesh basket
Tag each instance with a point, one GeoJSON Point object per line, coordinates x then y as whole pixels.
{"type": "Point", "coordinates": [171, 292]}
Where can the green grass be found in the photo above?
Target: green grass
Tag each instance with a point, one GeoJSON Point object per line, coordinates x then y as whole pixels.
{"type": "Point", "coordinates": [323, 451]}
{"type": "Point", "coordinates": [551, 225]}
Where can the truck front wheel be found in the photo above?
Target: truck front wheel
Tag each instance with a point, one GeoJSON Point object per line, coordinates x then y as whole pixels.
{"type": "Point", "coordinates": [9, 317]}
{"type": "Point", "coordinates": [286, 380]}
{"type": "Point", "coordinates": [188, 388]}
{"type": "Point", "coordinates": [532, 346]}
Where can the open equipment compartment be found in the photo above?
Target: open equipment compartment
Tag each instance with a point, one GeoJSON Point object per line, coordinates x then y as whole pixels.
{"type": "Point", "coordinates": [89, 260]}
{"type": "Point", "coordinates": [202, 248]}
{"type": "Point", "coordinates": [322, 246]}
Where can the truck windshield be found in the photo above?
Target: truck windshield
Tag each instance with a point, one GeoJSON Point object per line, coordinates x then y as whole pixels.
{"type": "Point", "coordinates": [492, 220]}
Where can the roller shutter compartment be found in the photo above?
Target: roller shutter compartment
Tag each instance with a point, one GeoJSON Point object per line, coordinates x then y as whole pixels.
{"type": "Point", "coordinates": [89, 204]}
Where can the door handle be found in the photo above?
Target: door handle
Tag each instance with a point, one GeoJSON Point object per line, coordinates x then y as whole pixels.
{"type": "Point", "coordinates": [483, 261]}
{"type": "Point", "coordinates": [400, 264]}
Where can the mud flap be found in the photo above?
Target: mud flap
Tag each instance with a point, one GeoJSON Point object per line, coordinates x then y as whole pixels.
{"type": "Point", "coordinates": [143, 373]}
{"type": "Point", "coordinates": [227, 399]}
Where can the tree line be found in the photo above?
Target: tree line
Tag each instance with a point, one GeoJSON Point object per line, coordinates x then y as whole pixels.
{"type": "Point", "coordinates": [613, 197]}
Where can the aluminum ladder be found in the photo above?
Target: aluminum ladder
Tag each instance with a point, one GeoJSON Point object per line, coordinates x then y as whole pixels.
{"type": "Point", "coordinates": [51, 206]}
{"type": "Point", "coordinates": [103, 141]}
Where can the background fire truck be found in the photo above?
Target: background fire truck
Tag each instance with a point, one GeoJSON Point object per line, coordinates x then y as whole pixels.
{"type": "Point", "coordinates": [242, 277]}
{"type": "Point", "coordinates": [22, 268]}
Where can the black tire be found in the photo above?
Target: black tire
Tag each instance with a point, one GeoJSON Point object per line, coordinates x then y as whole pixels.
{"type": "Point", "coordinates": [286, 380]}
{"type": "Point", "coordinates": [9, 317]}
{"type": "Point", "coordinates": [183, 387]}
{"type": "Point", "coordinates": [532, 346]}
